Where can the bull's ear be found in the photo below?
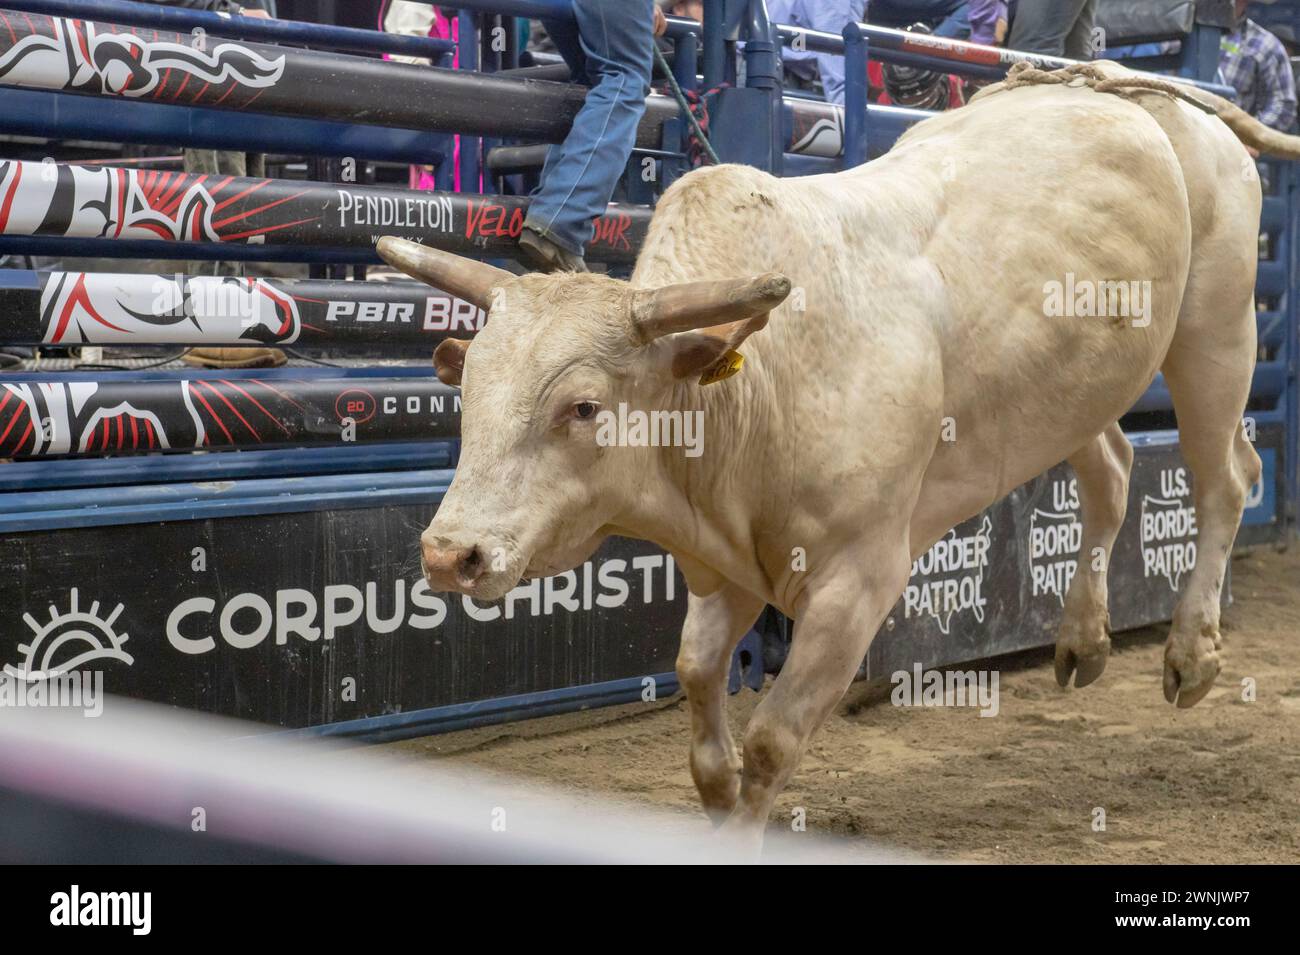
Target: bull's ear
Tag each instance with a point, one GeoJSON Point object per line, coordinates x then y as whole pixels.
{"type": "Point", "coordinates": [694, 353]}
{"type": "Point", "coordinates": [449, 360]}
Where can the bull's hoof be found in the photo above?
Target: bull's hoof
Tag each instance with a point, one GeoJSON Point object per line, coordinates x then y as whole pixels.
{"type": "Point", "coordinates": [1090, 668]}
{"type": "Point", "coordinates": [1186, 682]}
{"type": "Point", "coordinates": [1085, 670]}
{"type": "Point", "coordinates": [1085, 665]}
{"type": "Point", "coordinates": [1171, 683]}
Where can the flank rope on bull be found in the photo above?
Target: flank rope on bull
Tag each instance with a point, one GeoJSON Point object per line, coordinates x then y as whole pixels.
{"type": "Point", "coordinates": [1087, 74]}
{"type": "Point", "coordinates": [1247, 128]}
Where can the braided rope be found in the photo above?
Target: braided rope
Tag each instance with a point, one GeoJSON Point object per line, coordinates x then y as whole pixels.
{"type": "Point", "coordinates": [698, 135]}
{"type": "Point", "coordinates": [1087, 74]}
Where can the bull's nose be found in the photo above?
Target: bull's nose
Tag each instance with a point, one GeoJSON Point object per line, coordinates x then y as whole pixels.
{"type": "Point", "coordinates": [451, 568]}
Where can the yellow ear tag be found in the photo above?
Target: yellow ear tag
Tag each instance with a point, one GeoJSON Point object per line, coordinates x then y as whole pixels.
{"type": "Point", "coordinates": [726, 366]}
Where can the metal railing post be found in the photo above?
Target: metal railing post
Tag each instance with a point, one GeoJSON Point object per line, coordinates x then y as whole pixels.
{"type": "Point", "coordinates": [715, 43]}
{"type": "Point", "coordinates": [468, 40]}
{"type": "Point", "coordinates": [855, 96]}
{"type": "Point", "coordinates": [686, 61]}
{"type": "Point", "coordinates": [763, 72]}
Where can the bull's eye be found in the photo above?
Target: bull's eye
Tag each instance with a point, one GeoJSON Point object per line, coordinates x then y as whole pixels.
{"type": "Point", "coordinates": [583, 410]}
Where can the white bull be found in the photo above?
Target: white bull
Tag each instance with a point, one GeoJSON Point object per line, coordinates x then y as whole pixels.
{"type": "Point", "coordinates": [919, 372]}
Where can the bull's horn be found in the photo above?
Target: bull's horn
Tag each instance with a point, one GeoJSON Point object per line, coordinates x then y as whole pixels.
{"type": "Point", "coordinates": [690, 305]}
{"type": "Point", "coordinates": [465, 278]}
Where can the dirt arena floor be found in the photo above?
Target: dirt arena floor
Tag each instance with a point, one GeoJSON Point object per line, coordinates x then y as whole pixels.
{"type": "Point", "coordinates": [1219, 783]}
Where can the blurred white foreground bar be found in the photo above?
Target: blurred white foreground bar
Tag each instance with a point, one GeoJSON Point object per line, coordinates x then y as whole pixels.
{"type": "Point", "coordinates": [147, 783]}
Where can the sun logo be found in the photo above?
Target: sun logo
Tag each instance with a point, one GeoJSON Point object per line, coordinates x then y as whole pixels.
{"type": "Point", "coordinates": [68, 641]}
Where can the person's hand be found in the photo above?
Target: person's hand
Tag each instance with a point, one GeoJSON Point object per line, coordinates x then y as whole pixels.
{"type": "Point", "coordinates": [254, 12]}
{"type": "Point", "coordinates": [1000, 31]}
{"type": "Point", "coordinates": [661, 21]}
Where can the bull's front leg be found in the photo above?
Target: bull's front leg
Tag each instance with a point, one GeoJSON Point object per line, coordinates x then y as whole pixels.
{"type": "Point", "coordinates": [713, 627]}
{"type": "Point", "coordinates": [836, 617]}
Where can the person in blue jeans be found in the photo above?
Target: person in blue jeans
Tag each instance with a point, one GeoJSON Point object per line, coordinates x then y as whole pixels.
{"type": "Point", "coordinates": [610, 47]}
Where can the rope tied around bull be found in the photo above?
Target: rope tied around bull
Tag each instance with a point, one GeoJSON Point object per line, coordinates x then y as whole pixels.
{"type": "Point", "coordinates": [1025, 73]}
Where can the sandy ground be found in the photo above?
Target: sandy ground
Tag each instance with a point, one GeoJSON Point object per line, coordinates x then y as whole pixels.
{"type": "Point", "coordinates": [1216, 784]}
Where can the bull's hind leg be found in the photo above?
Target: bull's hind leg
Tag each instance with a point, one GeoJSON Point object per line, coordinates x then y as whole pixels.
{"type": "Point", "coordinates": [713, 627]}
{"type": "Point", "coordinates": [1208, 369]}
{"type": "Point", "coordinates": [1083, 640]}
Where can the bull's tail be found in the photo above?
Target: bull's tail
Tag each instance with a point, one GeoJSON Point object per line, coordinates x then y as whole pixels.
{"type": "Point", "coordinates": [1247, 128]}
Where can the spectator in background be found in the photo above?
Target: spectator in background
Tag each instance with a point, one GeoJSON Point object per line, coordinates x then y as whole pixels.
{"type": "Point", "coordinates": [251, 9]}
{"type": "Point", "coordinates": [976, 21]}
{"type": "Point", "coordinates": [407, 18]}
{"type": "Point", "coordinates": [1054, 28]}
{"type": "Point", "coordinates": [690, 9]}
{"type": "Point", "coordinates": [989, 21]}
{"type": "Point", "coordinates": [1254, 63]}
{"type": "Point", "coordinates": [828, 16]}
{"type": "Point", "coordinates": [979, 21]}
{"type": "Point", "coordinates": [610, 47]}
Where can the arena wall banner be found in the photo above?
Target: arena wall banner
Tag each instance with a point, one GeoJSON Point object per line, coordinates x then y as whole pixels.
{"type": "Point", "coordinates": [323, 617]}
{"type": "Point", "coordinates": [104, 202]}
{"type": "Point", "coordinates": [47, 417]}
{"type": "Point", "coordinates": [86, 308]}
{"type": "Point", "coordinates": [315, 614]}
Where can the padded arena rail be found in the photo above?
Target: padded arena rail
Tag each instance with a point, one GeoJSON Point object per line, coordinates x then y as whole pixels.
{"type": "Point", "coordinates": [59, 415]}
{"type": "Point", "coordinates": [91, 58]}
{"type": "Point", "coordinates": [184, 20]}
{"type": "Point", "coordinates": [103, 203]}
{"type": "Point", "coordinates": [90, 308]}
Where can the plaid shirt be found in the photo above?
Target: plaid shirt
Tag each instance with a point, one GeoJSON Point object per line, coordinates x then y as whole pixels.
{"type": "Point", "coordinates": [1254, 63]}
